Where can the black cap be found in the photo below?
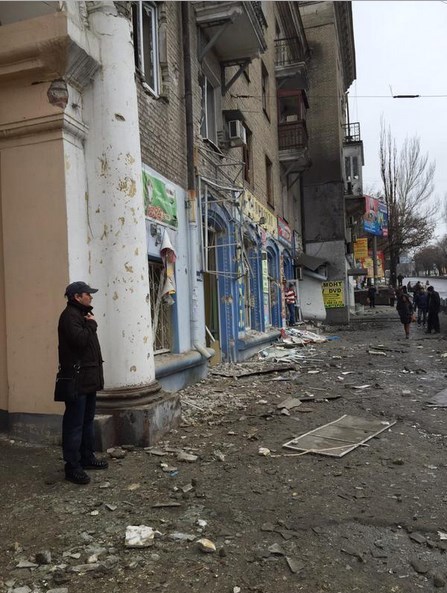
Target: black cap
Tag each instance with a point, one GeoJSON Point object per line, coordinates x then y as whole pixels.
{"type": "Point", "coordinates": [79, 288]}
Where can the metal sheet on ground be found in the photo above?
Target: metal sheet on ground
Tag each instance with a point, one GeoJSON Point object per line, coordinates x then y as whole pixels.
{"type": "Point", "coordinates": [340, 436]}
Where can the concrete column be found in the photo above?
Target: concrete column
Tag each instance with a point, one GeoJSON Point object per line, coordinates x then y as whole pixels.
{"type": "Point", "coordinates": [118, 260]}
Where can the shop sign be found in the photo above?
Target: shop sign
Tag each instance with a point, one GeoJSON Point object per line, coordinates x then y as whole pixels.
{"type": "Point", "coordinates": [361, 248]}
{"type": "Point", "coordinates": [284, 232]}
{"type": "Point", "coordinates": [257, 212]}
{"type": "Point", "coordinates": [160, 200]}
{"type": "Point", "coordinates": [333, 294]}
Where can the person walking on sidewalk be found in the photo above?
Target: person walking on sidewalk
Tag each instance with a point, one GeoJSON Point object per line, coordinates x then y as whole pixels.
{"type": "Point", "coordinates": [290, 297]}
{"type": "Point", "coordinates": [405, 309]}
{"type": "Point", "coordinates": [79, 345]}
{"type": "Point", "coordinates": [372, 290]}
{"type": "Point", "coordinates": [433, 308]}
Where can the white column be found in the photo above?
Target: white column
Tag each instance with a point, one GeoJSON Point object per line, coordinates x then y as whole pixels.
{"type": "Point", "coordinates": [117, 248]}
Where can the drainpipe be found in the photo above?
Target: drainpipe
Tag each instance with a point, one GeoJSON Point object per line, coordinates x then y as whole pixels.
{"type": "Point", "coordinates": [191, 201]}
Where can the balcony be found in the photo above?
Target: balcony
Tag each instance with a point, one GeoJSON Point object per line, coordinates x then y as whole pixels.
{"type": "Point", "coordinates": [290, 67]}
{"type": "Point", "coordinates": [352, 133]}
{"type": "Point", "coordinates": [293, 146]}
{"type": "Point", "coordinates": [234, 30]}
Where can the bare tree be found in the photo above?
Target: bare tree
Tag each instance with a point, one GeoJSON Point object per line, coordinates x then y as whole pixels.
{"type": "Point", "coordinates": [428, 259]}
{"type": "Point", "coordinates": [407, 178]}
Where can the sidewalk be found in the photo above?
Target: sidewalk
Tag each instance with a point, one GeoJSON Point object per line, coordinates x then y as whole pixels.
{"type": "Point", "coordinates": [280, 521]}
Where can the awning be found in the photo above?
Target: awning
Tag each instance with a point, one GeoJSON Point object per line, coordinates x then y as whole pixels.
{"type": "Point", "coordinates": [310, 262]}
{"type": "Point", "coordinates": [357, 272]}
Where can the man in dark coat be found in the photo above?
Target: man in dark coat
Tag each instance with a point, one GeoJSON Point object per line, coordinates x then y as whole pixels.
{"type": "Point", "coordinates": [79, 345]}
{"type": "Point", "coordinates": [433, 308]}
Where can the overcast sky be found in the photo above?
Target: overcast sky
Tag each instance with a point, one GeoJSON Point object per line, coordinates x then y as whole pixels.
{"type": "Point", "coordinates": [402, 44]}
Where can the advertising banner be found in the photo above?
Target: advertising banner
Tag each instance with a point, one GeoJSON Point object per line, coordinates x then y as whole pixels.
{"type": "Point", "coordinates": [361, 248]}
{"type": "Point", "coordinates": [160, 200]}
{"type": "Point", "coordinates": [284, 232]}
{"type": "Point", "coordinates": [333, 294]}
{"type": "Point", "coordinates": [375, 219]}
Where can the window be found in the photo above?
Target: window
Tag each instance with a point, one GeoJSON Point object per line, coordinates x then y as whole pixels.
{"type": "Point", "coordinates": [247, 157]}
{"type": "Point", "coordinates": [160, 311]}
{"type": "Point", "coordinates": [208, 126]}
{"type": "Point", "coordinates": [351, 168]}
{"type": "Point", "coordinates": [145, 27]}
{"type": "Point", "coordinates": [269, 182]}
{"type": "Point", "coordinates": [348, 168]}
{"type": "Point", "coordinates": [265, 89]}
{"type": "Point", "coordinates": [355, 167]}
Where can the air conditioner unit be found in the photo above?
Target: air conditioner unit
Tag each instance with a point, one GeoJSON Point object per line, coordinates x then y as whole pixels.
{"type": "Point", "coordinates": [237, 133]}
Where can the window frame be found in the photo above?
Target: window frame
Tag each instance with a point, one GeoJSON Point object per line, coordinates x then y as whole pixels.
{"type": "Point", "coordinates": [269, 182]}
{"type": "Point", "coordinates": [247, 157]}
{"type": "Point", "coordinates": [204, 125]}
{"type": "Point", "coordinates": [150, 81]}
{"type": "Point", "coordinates": [264, 90]}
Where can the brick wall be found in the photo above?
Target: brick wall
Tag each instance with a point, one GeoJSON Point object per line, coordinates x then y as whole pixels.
{"type": "Point", "coordinates": [162, 120]}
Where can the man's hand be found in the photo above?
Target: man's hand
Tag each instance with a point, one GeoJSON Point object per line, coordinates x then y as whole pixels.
{"type": "Point", "coordinates": [90, 317]}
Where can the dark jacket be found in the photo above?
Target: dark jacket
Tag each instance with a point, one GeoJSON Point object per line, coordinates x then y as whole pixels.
{"type": "Point", "coordinates": [405, 308]}
{"type": "Point", "coordinates": [78, 343]}
{"type": "Point", "coordinates": [434, 302]}
{"type": "Point", "coordinates": [422, 301]}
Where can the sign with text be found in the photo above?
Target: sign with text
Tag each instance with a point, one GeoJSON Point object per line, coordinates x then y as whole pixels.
{"type": "Point", "coordinates": [333, 294]}
{"type": "Point", "coordinates": [361, 248]}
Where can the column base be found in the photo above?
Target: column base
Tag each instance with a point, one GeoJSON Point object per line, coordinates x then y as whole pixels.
{"type": "Point", "coordinates": [141, 425]}
{"type": "Point", "coordinates": [116, 399]}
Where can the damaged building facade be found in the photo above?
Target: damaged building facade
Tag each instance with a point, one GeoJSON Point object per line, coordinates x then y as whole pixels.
{"type": "Point", "coordinates": [160, 151]}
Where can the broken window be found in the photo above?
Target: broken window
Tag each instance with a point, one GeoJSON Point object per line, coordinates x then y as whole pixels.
{"type": "Point", "coordinates": [160, 310]}
{"type": "Point", "coordinates": [145, 30]}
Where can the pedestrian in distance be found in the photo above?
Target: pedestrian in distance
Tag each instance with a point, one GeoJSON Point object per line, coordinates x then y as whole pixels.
{"type": "Point", "coordinates": [392, 294]}
{"type": "Point", "coordinates": [79, 348]}
{"type": "Point", "coordinates": [421, 299]}
{"type": "Point", "coordinates": [372, 290]}
{"type": "Point", "coordinates": [433, 308]}
{"type": "Point", "coordinates": [290, 298]}
{"type": "Point", "coordinates": [405, 309]}
{"type": "Point", "coordinates": [400, 279]}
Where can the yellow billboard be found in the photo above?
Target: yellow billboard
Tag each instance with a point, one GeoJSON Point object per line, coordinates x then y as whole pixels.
{"type": "Point", "coordinates": [333, 294]}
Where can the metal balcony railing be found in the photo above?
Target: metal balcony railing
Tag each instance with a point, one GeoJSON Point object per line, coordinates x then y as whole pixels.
{"type": "Point", "coordinates": [293, 136]}
{"type": "Point", "coordinates": [288, 52]}
{"type": "Point", "coordinates": [352, 132]}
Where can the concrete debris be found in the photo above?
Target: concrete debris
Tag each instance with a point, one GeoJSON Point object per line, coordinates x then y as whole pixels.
{"type": "Point", "coordinates": [294, 565]}
{"type": "Point", "coordinates": [289, 403]}
{"type": "Point", "coordinates": [26, 564]}
{"type": "Point", "coordinates": [139, 536]}
{"type": "Point", "coordinates": [418, 538]}
{"type": "Point", "coordinates": [419, 566]}
{"type": "Point", "coordinates": [276, 550]}
{"type": "Point", "coordinates": [188, 457]}
{"type": "Point", "coordinates": [206, 545]}
{"type": "Point", "coordinates": [442, 535]}
{"type": "Point", "coordinates": [117, 453]}
{"type": "Point", "coordinates": [264, 451]}
{"type": "Point", "coordinates": [376, 352]}
{"type": "Point", "coordinates": [167, 468]}
{"type": "Point", "coordinates": [182, 537]}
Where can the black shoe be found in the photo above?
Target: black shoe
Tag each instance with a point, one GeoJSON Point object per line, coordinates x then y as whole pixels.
{"type": "Point", "coordinates": [77, 476]}
{"type": "Point", "coordinates": [95, 463]}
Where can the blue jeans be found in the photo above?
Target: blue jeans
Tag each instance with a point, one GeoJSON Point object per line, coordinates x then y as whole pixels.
{"type": "Point", "coordinates": [78, 435]}
{"type": "Point", "coordinates": [291, 307]}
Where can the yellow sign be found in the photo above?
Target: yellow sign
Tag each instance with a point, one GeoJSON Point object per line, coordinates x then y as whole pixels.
{"type": "Point", "coordinates": [361, 248]}
{"type": "Point", "coordinates": [256, 211]}
{"type": "Point", "coordinates": [333, 294]}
